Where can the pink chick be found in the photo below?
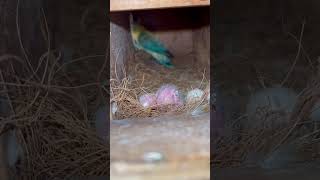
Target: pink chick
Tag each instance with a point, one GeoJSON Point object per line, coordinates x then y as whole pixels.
{"type": "Point", "coordinates": [148, 100]}
{"type": "Point", "coordinates": [167, 95]}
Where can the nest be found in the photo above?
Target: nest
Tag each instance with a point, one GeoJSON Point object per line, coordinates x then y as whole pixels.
{"type": "Point", "coordinates": [142, 78]}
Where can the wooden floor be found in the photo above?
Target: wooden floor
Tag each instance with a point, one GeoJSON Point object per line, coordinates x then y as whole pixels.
{"type": "Point", "coordinates": [183, 143]}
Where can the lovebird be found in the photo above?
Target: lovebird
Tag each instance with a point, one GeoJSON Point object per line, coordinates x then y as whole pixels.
{"type": "Point", "coordinates": [144, 40]}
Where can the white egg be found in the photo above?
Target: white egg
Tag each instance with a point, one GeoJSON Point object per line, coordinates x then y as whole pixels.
{"type": "Point", "coordinates": [194, 95]}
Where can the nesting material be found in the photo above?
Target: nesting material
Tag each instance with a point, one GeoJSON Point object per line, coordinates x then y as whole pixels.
{"type": "Point", "coordinates": [55, 124]}
{"type": "Point", "coordinates": [199, 110]}
{"type": "Point", "coordinates": [52, 99]}
{"type": "Point", "coordinates": [146, 81]}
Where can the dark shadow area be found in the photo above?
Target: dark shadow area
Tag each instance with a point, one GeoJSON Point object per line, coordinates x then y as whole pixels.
{"type": "Point", "coordinates": [174, 19]}
{"type": "Point", "coordinates": [266, 82]}
{"type": "Point", "coordinates": [54, 76]}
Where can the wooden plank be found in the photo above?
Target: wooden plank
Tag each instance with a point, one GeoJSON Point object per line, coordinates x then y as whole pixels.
{"type": "Point", "coordinates": [186, 170]}
{"type": "Point", "coordinates": [182, 141]}
{"type": "Point", "coordinates": [120, 45]}
{"type": "Point", "coordinates": [125, 5]}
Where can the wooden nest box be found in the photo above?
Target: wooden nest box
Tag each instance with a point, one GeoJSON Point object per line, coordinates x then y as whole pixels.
{"type": "Point", "coordinates": [183, 26]}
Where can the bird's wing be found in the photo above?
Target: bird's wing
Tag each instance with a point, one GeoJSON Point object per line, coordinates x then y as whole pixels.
{"type": "Point", "coordinates": [147, 41]}
{"type": "Point", "coordinates": [161, 58]}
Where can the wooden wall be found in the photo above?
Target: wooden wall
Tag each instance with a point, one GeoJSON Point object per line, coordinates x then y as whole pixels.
{"type": "Point", "coordinates": [185, 32]}
{"type": "Point", "coordinates": [121, 49]}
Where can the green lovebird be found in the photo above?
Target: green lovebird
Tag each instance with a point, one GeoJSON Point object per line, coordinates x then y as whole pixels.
{"type": "Point", "coordinates": [144, 40]}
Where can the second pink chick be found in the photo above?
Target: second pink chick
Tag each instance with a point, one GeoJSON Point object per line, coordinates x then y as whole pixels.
{"type": "Point", "coordinates": [168, 95]}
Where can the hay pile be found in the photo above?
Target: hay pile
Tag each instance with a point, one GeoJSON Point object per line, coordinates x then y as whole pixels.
{"type": "Point", "coordinates": [51, 111]}
{"type": "Point", "coordinates": [51, 101]}
{"type": "Point", "coordinates": [145, 76]}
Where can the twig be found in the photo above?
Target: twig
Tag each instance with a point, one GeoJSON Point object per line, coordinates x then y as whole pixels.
{"type": "Point", "coordinates": [297, 56]}
{"type": "Point", "coordinates": [49, 47]}
{"type": "Point", "coordinates": [77, 60]}
{"type": "Point", "coordinates": [20, 40]}
{"type": "Point", "coordinates": [32, 84]}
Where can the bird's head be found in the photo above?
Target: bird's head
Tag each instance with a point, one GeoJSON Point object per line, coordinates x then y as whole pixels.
{"type": "Point", "coordinates": [134, 20]}
{"type": "Point", "coordinates": [135, 28]}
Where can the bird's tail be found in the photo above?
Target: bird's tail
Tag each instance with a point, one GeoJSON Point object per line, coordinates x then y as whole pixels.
{"type": "Point", "coordinates": [166, 62]}
{"type": "Point", "coordinates": [168, 65]}
{"type": "Point", "coordinates": [162, 59]}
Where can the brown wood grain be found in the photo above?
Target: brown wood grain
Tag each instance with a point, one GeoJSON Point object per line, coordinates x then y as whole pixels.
{"type": "Point", "coordinates": [123, 5]}
{"type": "Point", "coordinates": [184, 142]}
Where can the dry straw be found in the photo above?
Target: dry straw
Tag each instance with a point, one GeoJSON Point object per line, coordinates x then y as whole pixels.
{"type": "Point", "coordinates": [51, 111]}
{"type": "Point", "coordinates": [141, 78]}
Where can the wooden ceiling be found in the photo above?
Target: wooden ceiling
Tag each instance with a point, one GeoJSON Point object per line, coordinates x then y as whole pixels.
{"type": "Point", "coordinates": [128, 5]}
